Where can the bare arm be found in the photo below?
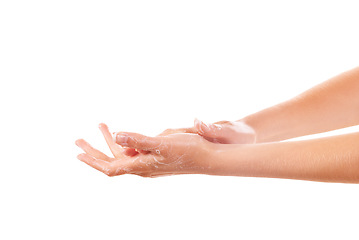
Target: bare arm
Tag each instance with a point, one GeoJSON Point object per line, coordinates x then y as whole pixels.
{"type": "Point", "coordinates": [331, 105]}
{"type": "Point", "coordinates": [328, 106]}
{"type": "Point", "coordinates": [331, 159]}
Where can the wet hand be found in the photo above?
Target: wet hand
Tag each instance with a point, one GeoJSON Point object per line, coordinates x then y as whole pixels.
{"type": "Point", "coordinates": [162, 155]}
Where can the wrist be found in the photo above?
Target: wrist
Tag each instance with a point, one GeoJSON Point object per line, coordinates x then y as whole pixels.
{"type": "Point", "coordinates": [228, 159]}
{"type": "Point", "coordinates": [266, 128]}
{"type": "Point", "coordinates": [244, 126]}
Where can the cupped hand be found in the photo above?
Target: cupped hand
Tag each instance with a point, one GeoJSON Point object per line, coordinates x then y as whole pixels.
{"type": "Point", "coordinates": [178, 153]}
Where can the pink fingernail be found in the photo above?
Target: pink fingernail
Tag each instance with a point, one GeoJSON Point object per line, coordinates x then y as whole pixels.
{"type": "Point", "coordinates": [122, 139]}
{"type": "Point", "coordinates": [202, 127]}
{"type": "Point", "coordinates": [197, 124]}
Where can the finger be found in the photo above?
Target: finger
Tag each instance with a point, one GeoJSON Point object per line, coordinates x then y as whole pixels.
{"type": "Point", "coordinates": [207, 130]}
{"type": "Point", "coordinates": [223, 122]}
{"type": "Point", "coordinates": [115, 148]}
{"type": "Point", "coordinates": [130, 152]}
{"type": "Point", "coordinates": [214, 140]}
{"type": "Point", "coordinates": [133, 152]}
{"type": "Point", "coordinates": [161, 175]}
{"type": "Point", "coordinates": [98, 164]}
{"type": "Point", "coordinates": [143, 151]}
{"type": "Point", "coordinates": [179, 130]}
{"type": "Point", "coordinates": [91, 150]}
{"type": "Point", "coordinates": [139, 142]}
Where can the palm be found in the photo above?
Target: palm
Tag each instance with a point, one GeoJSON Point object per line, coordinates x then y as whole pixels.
{"type": "Point", "coordinates": [99, 160]}
{"type": "Point", "coordinates": [169, 158]}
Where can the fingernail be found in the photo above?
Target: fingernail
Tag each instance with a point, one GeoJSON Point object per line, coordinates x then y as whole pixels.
{"type": "Point", "coordinates": [80, 157]}
{"type": "Point", "coordinates": [201, 126]}
{"type": "Point", "coordinates": [121, 139]}
{"type": "Point", "coordinates": [197, 124]}
{"type": "Point", "coordinates": [79, 142]}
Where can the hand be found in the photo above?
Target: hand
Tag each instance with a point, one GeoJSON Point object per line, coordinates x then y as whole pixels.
{"type": "Point", "coordinates": [230, 132]}
{"type": "Point", "coordinates": [101, 161]}
{"type": "Point", "coordinates": [236, 132]}
{"type": "Point", "coordinates": [165, 155]}
{"type": "Point", "coordinates": [227, 132]}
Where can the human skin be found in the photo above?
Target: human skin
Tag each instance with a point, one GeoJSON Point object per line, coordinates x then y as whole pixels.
{"type": "Point", "coordinates": [226, 132]}
{"type": "Point", "coordinates": [178, 153]}
{"type": "Point", "coordinates": [330, 105]}
{"type": "Point", "coordinates": [330, 159]}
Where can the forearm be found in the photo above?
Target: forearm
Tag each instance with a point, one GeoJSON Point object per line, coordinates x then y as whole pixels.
{"type": "Point", "coordinates": [331, 159]}
{"type": "Point", "coordinates": [331, 105]}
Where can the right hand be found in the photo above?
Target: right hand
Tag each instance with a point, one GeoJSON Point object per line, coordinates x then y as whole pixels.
{"type": "Point", "coordinates": [225, 132]}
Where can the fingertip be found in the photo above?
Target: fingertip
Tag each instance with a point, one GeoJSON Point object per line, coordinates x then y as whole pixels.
{"type": "Point", "coordinates": [198, 125]}
{"type": "Point", "coordinates": [104, 130]}
{"type": "Point", "coordinates": [102, 126]}
{"type": "Point", "coordinates": [78, 142]}
{"type": "Point", "coordinates": [196, 121]}
{"type": "Point", "coordinates": [137, 141]}
{"type": "Point", "coordinates": [122, 139]}
{"type": "Point", "coordinates": [81, 156]}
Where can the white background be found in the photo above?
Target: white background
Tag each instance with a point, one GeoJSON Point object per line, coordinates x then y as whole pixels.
{"type": "Point", "coordinates": [144, 66]}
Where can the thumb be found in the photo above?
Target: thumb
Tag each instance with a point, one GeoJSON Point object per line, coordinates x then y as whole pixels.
{"type": "Point", "coordinates": [207, 130]}
{"type": "Point", "coordinates": [138, 141]}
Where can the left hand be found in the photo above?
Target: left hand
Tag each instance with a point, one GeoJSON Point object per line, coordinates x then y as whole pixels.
{"type": "Point", "coordinates": [163, 155]}
{"type": "Point", "coordinates": [225, 132]}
